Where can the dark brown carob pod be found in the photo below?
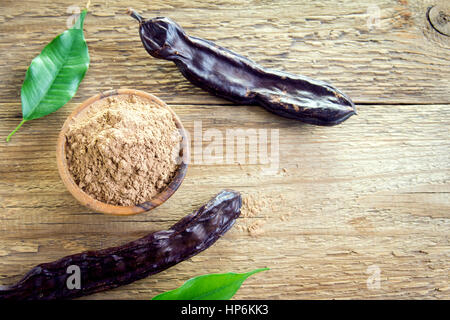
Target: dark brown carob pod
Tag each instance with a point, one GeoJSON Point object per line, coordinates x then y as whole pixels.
{"type": "Point", "coordinates": [109, 268]}
{"type": "Point", "coordinates": [236, 78]}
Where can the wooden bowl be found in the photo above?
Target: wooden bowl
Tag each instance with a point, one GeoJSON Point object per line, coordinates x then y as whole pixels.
{"type": "Point", "coordinates": [102, 207]}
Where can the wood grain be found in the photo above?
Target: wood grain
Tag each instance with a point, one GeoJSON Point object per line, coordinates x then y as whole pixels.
{"type": "Point", "coordinates": [370, 193]}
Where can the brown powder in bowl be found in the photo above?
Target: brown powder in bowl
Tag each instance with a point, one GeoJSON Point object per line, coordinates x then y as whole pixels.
{"type": "Point", "coordinates": [123, 150]}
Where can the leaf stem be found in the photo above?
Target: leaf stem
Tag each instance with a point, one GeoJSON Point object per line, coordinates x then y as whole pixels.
{"type": "Point", "coordinates": [15, 130]}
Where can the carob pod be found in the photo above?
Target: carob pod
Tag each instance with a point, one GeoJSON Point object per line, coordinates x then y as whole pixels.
{"type": "Point", "coordinates": [109, 268]}
{"type": "Point", "coordinates": [236, 78]}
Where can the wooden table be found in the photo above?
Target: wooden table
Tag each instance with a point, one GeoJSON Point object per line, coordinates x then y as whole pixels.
{"type": "Point", "coordinates": [349, 203]}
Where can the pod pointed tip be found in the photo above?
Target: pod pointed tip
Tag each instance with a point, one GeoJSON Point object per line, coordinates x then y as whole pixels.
{"type": "Point", "coordinates": [134, 14]}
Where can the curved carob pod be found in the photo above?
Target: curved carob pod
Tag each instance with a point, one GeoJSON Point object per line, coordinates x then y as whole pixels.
{"type": "Point", "coordinates": [236, 78]}
{"type": "Point", "coordinates": [109, 268]}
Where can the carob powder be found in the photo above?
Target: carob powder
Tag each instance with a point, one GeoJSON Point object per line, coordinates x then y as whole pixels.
{"type": "Point", "coordinates": [123, 150]}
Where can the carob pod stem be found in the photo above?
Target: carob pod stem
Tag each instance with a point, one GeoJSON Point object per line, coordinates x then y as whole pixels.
{"type": "Point", "coordinates": [236, 78]}
{"type": "Point", "coordinates": [109, 268]}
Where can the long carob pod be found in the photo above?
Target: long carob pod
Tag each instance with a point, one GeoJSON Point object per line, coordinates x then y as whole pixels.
{"type": "Point", "coordinates": [109, 268]}
{"type": "Point", "coordinates": [236, 78]}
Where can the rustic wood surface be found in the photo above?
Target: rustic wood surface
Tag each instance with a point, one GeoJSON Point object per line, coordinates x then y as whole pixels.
{"type": "Point", "coordinates": [348, 201]}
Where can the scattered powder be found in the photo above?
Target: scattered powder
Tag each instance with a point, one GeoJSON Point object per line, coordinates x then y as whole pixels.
{"type": "Point", "coordinates": [257, 208]}
{"type": "Point", "coordinates": [254, 204]}
{"type": "Point", "coordinates": [123, 151]}
{"type": "Point", "coordinates": [256, 228]}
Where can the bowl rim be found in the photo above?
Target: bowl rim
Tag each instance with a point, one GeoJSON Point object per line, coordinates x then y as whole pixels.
{"type": "Point", "coordinates": [106, 208]}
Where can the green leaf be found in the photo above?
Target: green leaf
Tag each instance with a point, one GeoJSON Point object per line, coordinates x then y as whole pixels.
{"type": "Point", "coordinates": [220, 286]}
{"type": "Point", "coordinates": [55, 74]}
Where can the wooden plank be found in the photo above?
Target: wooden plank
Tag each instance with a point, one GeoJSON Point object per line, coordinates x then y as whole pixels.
{"type": "Point", "coordinates": [371, 193]}
{"type": "Point", "coordinates": [394, 59]}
